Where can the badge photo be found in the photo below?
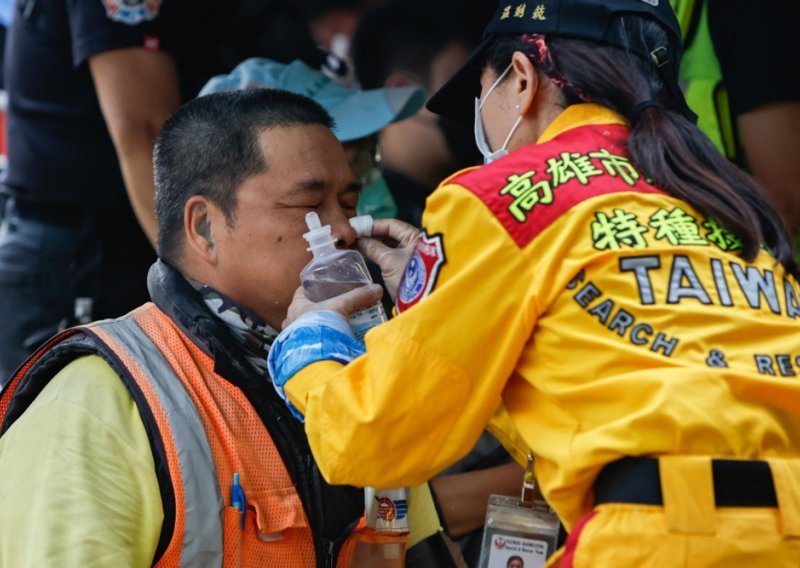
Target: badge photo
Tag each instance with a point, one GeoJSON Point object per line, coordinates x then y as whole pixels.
{"type": "Point", "coordinates": [422, 271]}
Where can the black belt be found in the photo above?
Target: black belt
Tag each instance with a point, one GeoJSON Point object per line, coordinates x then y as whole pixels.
{"type": "Point", "coordinates": [737, 483]}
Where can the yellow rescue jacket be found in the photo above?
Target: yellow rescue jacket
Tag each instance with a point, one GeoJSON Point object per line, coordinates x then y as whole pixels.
{"type": "Point", "coordinates": [610, 318]}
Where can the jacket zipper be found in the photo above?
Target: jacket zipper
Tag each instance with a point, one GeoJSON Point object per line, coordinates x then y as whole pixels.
{"type": "Point", "coordinates": [330, 553]}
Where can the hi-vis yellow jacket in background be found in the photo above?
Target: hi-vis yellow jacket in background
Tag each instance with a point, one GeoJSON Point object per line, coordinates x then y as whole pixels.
{"type": "Point", "coordinates": [611, 319]}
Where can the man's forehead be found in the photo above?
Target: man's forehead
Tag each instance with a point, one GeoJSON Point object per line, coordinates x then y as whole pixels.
{"type": "Point", "coordinates": [304, 159]}
{"type": "Point", "coordinates": [298, 140]}
{"type": "Point", "coordinates": [311, 132]}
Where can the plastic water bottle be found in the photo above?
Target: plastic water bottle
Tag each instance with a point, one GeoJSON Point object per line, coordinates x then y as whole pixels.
{"type": "Point", "coordinates": [333, 272]}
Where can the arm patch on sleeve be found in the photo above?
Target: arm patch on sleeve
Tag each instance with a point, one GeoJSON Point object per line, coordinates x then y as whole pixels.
{"type": "Point", "coordinates": [422, 271]}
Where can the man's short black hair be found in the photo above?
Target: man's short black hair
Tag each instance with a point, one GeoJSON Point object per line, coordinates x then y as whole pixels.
{"type": "Point", "coordinates": [407, 35]}
{"type": "Point", "coordinates": [211, 145]}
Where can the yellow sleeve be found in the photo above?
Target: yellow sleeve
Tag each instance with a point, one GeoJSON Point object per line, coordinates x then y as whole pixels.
{"type": "Point", "coordinates": [78, 480]}
{"type": "Point", "coordinates": [423, 518]}
{"type": "Point", "coordinates": [432, 376]}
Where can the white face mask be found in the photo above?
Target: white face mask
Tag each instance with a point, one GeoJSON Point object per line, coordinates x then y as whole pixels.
{"type": "Point", "coordinates": [480, 136]}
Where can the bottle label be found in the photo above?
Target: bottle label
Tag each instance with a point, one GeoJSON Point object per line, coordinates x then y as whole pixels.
{"type": "Point", "coordinates": [387, 509]}
{"type": "Point", "coordinates": [364, 320]}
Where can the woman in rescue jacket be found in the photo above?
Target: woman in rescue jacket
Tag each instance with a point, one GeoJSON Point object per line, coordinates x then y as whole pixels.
{"type": "Point", "coordinates": [628, 295]}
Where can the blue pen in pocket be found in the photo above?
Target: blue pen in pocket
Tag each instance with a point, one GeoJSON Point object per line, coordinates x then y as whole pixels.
{"type": "Point", "coordinates": [238, 500]}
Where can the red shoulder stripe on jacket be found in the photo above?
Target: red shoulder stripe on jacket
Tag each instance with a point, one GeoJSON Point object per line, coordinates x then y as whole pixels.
{"type": "Point", "coordinates": [532, 187]}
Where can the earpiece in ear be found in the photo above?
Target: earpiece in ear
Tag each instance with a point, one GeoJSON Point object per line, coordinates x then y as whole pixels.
{"type": "Point", "coordinates": [204, 228]}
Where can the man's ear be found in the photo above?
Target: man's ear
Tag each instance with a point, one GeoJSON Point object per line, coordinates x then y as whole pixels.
{"type": "Point", "coordinates": [198, 226]}
{"type": "Point", "coordinates": [526, 82]}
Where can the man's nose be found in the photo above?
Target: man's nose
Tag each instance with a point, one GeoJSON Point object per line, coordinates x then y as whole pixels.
{"type": "Point", "coordinates": [344, 235]}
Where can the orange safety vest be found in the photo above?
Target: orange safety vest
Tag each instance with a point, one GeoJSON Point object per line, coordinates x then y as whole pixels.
{"type": "Point", "coordinates": [185, 396]}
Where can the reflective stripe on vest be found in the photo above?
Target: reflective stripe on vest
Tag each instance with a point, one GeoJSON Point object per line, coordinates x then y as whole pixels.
{"type": "Point", "coordinates": [201, 502]}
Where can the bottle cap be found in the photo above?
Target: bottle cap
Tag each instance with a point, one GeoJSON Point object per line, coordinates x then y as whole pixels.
{"type": "Point", "coordinates": [362, 225]}
{"type": "Point", "coordinates": [318, 237]}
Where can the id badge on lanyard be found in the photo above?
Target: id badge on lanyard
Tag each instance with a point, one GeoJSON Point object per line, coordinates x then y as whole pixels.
{"type": "Point", "coordinates": [519, 533]}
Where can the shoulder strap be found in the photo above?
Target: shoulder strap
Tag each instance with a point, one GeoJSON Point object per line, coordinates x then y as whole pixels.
{"type": "Point", "coordinates": [34, 375]}
{"type": "Point", "coordinates": [46, 362]}
{"type": "Point", "coordinates": [190, 536]}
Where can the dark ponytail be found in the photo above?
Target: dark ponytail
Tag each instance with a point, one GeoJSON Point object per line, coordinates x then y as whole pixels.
{"type": "Point", "coordinates": [663, 143]}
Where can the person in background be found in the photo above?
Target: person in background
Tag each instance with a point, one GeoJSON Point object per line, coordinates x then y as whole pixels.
{"type": "Point", "coordinates": [766, 108]}
{"type": "Point", "coordinates": [333, 22]}
{"type": "Point", "coordinates": [755, 123]}
{"type": "Point", "coordinates": [89, 86]}
{"type": "Point", "coordinates": [628, 293]}
{"type": "Point", "coordinates": [393, 46]}
{"type": "Point", "coordinates": [273, 29]}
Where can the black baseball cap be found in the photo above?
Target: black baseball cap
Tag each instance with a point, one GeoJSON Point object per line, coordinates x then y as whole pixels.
{"type": "Point", "coordinates": [594, 20]}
